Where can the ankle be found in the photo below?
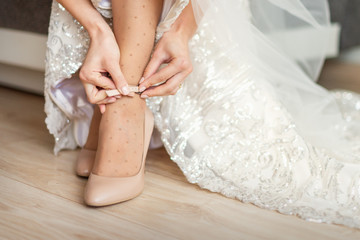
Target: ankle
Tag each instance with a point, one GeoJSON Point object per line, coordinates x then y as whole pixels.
{"type": "Point", "coordinates": [136, 99]}
{"type": "Point", "coordinates": [126, 104]}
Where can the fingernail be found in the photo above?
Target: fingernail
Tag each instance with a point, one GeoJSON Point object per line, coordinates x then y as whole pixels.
{"type": "Point", "coordinates": [117, 96]}
{"type": "Point", "coordinates": [144, 96]}
{"type": "Point", "coordinates": [111, 100]}
{"type": "Point", "coordinates": [125, 90]}
{"type": "Point", "coordinates": [131, 94]}
{"type": "Point", "coordinates": [141, 80]}
{"type": "Point", "coordinates": [142, 88]}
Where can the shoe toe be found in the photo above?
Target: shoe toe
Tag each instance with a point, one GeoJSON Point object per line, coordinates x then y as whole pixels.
{"type": "Point", "coordinates": [83, 167]}
{"type": "Point", "coordinates": [85, 162]}
{"type": "Point", "coordinates": [102, 191]}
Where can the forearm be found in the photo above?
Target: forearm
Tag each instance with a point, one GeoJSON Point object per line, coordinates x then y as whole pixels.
{"type": "Point", "coordinates": [185, 24]}
{"type": "Point", "coordinates": [87, 15]}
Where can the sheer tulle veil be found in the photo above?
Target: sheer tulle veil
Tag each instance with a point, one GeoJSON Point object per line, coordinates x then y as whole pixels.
{"type": "Point", "coordinates": [272, 18]}
{"type": "Point", "coordinates": [259, 31]}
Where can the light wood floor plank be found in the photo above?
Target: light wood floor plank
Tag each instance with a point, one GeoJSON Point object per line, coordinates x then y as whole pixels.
{"type": "Point", "coordinates": [337, 75]}
{"type": "Point", "coordinates": [22, 117]}
{"type": "Point", "coordinates": [29, 213]}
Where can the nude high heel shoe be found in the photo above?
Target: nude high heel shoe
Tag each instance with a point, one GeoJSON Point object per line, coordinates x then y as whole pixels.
{"type": "Point", "coordinates": [85, 162]}
{"type": "Point", "coordinates": [102, 190]}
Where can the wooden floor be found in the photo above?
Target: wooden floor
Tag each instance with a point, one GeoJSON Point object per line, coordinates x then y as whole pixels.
{"type": "Point", "coordinates": [41, 198]}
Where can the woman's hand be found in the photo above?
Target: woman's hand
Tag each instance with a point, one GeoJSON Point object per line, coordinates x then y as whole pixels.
{"type": "Point", "coordinates": [173, 50]}
{"type": "Point", "coordinates": [103, 57]}
{"type": "Point", "coordinates": [102, 60]}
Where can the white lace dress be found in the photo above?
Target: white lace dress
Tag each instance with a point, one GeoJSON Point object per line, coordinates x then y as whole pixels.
{"type": "Point", "coordinates": [251, 128]}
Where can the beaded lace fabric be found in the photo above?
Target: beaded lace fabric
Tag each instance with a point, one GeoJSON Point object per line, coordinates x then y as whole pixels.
{"type": "Point", "coordinates": [228, 129]}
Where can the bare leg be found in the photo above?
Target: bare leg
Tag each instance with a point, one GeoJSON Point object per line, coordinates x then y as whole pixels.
{"type": "Point", "coordinates": [120, 144]}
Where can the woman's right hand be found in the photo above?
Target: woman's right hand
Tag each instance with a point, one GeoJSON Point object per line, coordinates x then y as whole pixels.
{"type": "Point", "coordinates": [103, 57]}
{"type": "Point", "coordinates": [102, 60]}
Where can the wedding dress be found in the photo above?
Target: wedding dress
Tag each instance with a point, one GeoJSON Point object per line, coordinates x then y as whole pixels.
{"type": "Point", "coordinates": [249, 121]}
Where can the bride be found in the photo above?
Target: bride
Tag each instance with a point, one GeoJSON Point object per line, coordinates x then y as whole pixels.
{"type": "Point", "coordinates": [248, 122]}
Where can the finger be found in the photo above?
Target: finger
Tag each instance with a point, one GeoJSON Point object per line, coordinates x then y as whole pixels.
{"type": "Point", "coordinates": [169, 88]}
{"type": "Point", "coordinates": [96, 78]}
{"type": "Point", "coordinates": [153, 65]}
{"type": "Point", "coordinates": [105, 83]}
{"type": "Point", "coordinates": [119, 79]}
{"type": "Point", "coordinates": [102, 108]}
{"type": "Point", "coordinates": [160, 76]}
{"type": "Point", "coordinates": [94, 95]}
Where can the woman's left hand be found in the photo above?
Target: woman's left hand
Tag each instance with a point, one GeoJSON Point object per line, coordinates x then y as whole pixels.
{"type": "Point", "coordinates": [173, 50]}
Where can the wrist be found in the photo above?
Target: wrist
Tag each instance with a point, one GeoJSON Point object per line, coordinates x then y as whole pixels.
{"type": "Point", "coordinates": [99, 30]}
{"type": "Point", "coordinates": [185, 25]}
{"type": "Point", "coordinates": [180, 31]}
